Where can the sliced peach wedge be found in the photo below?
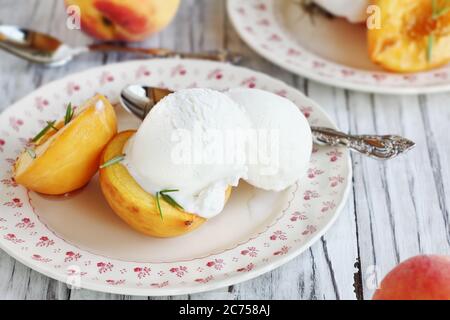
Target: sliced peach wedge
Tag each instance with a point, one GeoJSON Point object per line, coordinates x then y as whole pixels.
{"type": "Point", "coordinates": [413, 35]}
{"type": "Point", "coordinates": [134, 205]}
{"type": "Point", "coordinates": [65, 155]}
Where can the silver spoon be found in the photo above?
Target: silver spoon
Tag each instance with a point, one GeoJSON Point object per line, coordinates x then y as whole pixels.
{"type": "Point", "coordinates": [139, 100]}
{"type": "Point", "coordinates": [44, 49]}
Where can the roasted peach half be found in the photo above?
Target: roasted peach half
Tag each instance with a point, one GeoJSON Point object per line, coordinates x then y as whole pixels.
{"type": "Point", "coordinates": [137, 207]}
{"type": "Point", "coordinates": [413, 35]}
{"type": "Point", "coordinates": [66, 156]}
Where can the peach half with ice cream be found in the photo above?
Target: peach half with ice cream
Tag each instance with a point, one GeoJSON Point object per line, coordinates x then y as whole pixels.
{"type": "Point", "coordinates": [65, 155]}
{"type": "Point", "coordinates": [155, 180]}
{"type": "Point", "coordinates": [158, 214]}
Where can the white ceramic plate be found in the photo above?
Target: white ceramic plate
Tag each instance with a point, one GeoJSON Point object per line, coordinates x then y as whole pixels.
{"type": "Point", "coordinates": [79, 238]}
{"type": "Point", "coordinates": [331, 51]}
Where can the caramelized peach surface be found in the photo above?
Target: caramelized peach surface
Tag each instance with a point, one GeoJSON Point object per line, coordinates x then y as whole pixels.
{"type": "Point", "coordinates": [413, 36]}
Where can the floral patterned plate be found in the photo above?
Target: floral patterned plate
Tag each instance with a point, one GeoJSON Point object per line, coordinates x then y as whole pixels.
{"type": "Point", "coordinates": [79, 240]}
{"type": "Point", "coordinates": [331, 51]}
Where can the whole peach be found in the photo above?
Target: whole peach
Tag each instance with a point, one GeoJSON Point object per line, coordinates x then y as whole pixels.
{"type": "Point", "coordinates": [131, 20]}
{"type": "Point", "coordinates": [425, 277]}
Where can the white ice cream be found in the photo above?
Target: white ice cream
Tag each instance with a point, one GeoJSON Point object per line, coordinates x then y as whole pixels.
{"type": "Point", "coordinates": [201, 141]}
{"type": "Point", "coordinates": [281, 117]}
{"type": "Point", "coordinates": [353, 10]}
{"type": "Point", "coordinates": [175, 148]}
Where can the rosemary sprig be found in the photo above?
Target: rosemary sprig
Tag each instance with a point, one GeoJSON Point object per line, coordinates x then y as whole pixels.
{"type": "Point", "coordinates": [439, 12]}
{"type": "Point", "coordinates": [436, 13]}
{"type": "Point", "coordinates": [31, 153]}
{"type": "Point", "coordinates": [112, 161]}
{"type": "Point", "coordinates": [163, 194]}
{"type": "Point", "coordinates": [50, 125]}
{"type": "Point", "coordinates": [159, 205]}
{"type": "Point", "coordinates": [69, 113]}
{"type": "Point", "coordinates": [430, 42]}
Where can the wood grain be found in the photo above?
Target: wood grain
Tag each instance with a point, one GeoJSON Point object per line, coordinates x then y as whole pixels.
{"type": "Point", "coordinates": [396, 209]}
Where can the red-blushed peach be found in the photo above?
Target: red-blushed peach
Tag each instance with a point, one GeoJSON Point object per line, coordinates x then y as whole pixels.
{"type": "Point", "coordinates": [132, 20]}
{"type": "Point", "coordinates": [425, 277]}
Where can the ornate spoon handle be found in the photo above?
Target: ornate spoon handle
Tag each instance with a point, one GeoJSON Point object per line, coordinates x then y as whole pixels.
{"type": "Point", "coordinates": [375, 146]}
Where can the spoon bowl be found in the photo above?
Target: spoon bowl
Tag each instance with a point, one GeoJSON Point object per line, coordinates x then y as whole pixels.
{"type": "Point", "coordinates": [35, 46]}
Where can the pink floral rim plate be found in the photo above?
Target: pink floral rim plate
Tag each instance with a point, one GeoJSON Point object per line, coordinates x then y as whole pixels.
{"type": "Point", "coordinates": [79, 240]}
{"type": "Point", "coordinates": [331, 51]}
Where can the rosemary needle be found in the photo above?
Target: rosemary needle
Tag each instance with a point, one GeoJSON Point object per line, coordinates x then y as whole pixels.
{"type": "Point", "coordinates": [112, 161]}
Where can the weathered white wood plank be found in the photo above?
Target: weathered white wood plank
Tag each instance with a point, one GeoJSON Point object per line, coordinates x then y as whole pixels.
{"type": "Point", "coordinates": [399, 212]}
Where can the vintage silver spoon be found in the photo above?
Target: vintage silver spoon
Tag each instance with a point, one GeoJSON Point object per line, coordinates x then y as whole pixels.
{"type": "Point", "coordinates": [138, 100]}
{"type": "Point", "coordinates": [44, 49]}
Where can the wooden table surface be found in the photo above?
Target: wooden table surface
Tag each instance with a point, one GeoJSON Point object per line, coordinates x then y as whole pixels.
{"type": "Point", "coordinates": [397, 209]}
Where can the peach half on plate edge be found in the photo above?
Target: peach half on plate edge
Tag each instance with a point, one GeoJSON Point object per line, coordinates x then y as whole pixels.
{"type": "Point", "coordinates": [66, 156]}
{"type": "Point", "coordinates": [137, 207]}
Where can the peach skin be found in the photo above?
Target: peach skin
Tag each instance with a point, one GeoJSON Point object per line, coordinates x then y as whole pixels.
{"type": "Point", "coordinates": [132, 20]}
{"type": "Point", "coordinates": [425, 277]}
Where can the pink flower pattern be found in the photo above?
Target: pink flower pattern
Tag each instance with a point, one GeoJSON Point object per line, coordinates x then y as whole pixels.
{"type": "Point", "coordinates": [284, 250]}
{"type": "Point", "coordinates": [310, 194]}
{"type": "Point", "coordinates": [178, 70]}
{"type": "Point", "coordinates": [104, 267]}
{"type": "Point", "coordinates": [204, 280]}
{"type": "Point", "coordinates": [215, 74]}
{"type": "Point", "coordinates": [334, 155]}
{"type": "Point", "coordinates": [41, 103]}
{"type": "Point", "coordinates": [310, 229]}
{"type": "Point", "coordinates": [14, 203]}
{"type": "Point", "coordinates": [142, 272]}
{"type": "Point", "coordinates": [15, 123]}
{"type": "Point", "coordinates": [115, 282]}
{"type": "Point", "coordinates": [179, 271]}
{"type": "Point", "coordinates": [327, 205]}
{"type": "Point", "coordinates": [247, 268]}
{"type": "Point", "coordinates": [142, 71]}
{"type": "Point", "coordinates": [72, 88]}
{"type": "Point", "coordinates": [314, 172]}
{"type": "Point", "coordinates": [160, 285]}
{"type": "Point", "coordinates": [72, 256]}
{"type": "Point", "coordinates": [40, 258]}
{"type": "Point", "coordinates": [298, 216]}
{"type": "Point", "coordinates": [25, 223]}
{"type": "Point", "coordinates": [278, 235]}
{"type": "Point", "coordinates": [106, 77]}
{"type": "Point", "coordinates": [13, 238]}
{"type": "Point", "coordinates": [336, 180]}
{"type": "Point", "coordinates": [250, 251]}
{"type": "Point", "coordinates": [306, 111]}
{"type": "Point", "coordinates": [9, 182]}
{"type": "Point", "coordinates": [249, 82]}
{"type": "Point", "coordinates": [44, 241]}
{"type": "Point", "coordinates": [218, 264]}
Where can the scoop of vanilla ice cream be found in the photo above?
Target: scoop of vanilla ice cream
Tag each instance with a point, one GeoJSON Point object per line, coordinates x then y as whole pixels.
{"type": "Point", "coordinates": [284, 141]}
{"type": "Point", "coordinates": [180, 146]}
{"type": "Point", "coordinates": [353, 10]}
